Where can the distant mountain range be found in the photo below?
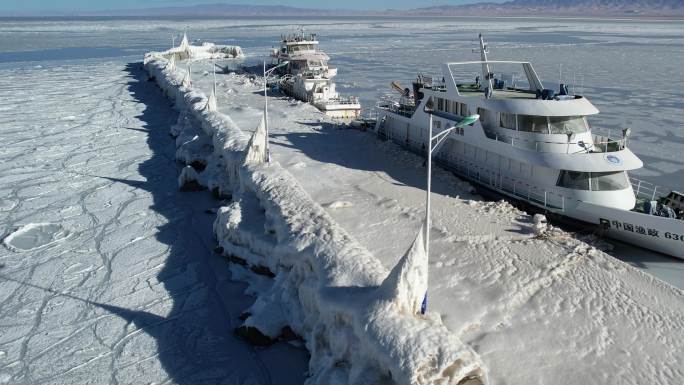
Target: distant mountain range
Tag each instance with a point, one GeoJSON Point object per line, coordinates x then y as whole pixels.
{"type": "Point", "coordinates": [580, 8]}
{"type": "Point", "coordinates": [222, 10]}
{"type": "Point", "coordinates": [617, 8]}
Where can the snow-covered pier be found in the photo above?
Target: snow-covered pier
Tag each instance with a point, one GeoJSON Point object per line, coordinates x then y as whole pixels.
{"type": "Point", "coordinates": [327, 288]}
{"type": "Point", "coordinates": [331, 216]}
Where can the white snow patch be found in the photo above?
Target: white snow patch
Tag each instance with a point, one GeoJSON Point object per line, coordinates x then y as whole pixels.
{"type": "Point", "coordinates": [540, 223]}
{"type": "Point", "coordinates": [297, 165]}
{"type": "Point", "coordinates": [338, 205]}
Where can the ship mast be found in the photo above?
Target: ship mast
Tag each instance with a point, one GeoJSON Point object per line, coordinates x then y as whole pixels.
{"type": "Point", "coordinates": [486, 73]}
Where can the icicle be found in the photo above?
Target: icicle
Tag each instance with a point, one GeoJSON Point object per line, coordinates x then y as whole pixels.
{"type": "Point", "coordinates": [187, 83]}
{"type": "Point", "coordinates": [211, 102]}
{"type": "Point", "coordinates": [184, 45]}
{"type": "Point", "coordinates": [172, 63]}
{"type": "Point", "coordinates": [256, 149]}
{"type": "Point", "coordinates": [187, 79]}
{"type": "Point", "coordinates": [407, 284]}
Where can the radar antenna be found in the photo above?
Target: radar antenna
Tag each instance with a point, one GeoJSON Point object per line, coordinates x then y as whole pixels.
{"type": "Point", "coordinates": [487, 75]}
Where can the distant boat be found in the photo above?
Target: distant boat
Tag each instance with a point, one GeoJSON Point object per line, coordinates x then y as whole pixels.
{"type": "Point", "coordinates": [535, 145]}
{"type": "Point", "coordinates": [308, 77]}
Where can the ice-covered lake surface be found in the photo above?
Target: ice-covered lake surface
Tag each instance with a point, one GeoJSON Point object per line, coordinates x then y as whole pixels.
{"type": "Point", "coordinates": [107, 272]}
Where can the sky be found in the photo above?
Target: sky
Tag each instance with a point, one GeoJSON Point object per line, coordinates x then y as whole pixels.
{"type": "Point", "coordinates": [59, 6]}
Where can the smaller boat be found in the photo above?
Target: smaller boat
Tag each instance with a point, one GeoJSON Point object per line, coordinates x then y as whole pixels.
{"type": "Point", "coordinates": [308, 77]}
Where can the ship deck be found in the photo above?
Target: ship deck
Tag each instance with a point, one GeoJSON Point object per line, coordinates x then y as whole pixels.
{"type": "Point", "coordinates": [508, 93]}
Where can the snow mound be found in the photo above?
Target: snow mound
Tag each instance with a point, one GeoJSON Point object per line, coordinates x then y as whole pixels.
{"type": "Point", "coordinates": [407, 283]}
{"type": "Point", "coordinates": [187, 51]}
{"type": "Point", "coordinates": [338, 205]}
{"type": "Point", "coordinates": [358, 320]}
{"type": "Point", "coordinates": [34, 235]}
{"type": "Point", "coordinates": [540, 223]}
{"type": "Point", "coordinates": [498, 207]}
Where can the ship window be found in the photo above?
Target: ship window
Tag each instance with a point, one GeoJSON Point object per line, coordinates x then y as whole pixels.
{"type": "Point", "coordinates": [507, 120]}
{"type": "Point", "coordinates": [567, 124]}
{"type": "Point", "coordinates": [301, 47]}
{"type": "Point", "coordinates": [594, 181]}
{"type": "Point", "coordinates": [574, 180]}
{"type": "Point", "coordinates": [531, 123]}
{"type": "Point", "coordinates": [609, 181]}
{"type": "Point", "coordinates": [440, 104]}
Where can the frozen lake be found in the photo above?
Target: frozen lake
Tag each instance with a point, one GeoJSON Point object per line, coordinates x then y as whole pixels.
{"type": "Point", "coordinates": [111, 269]}
{"type": "Point", "coordinates": [107, 271]}
{"type": "Point", "coordinates": [628, 69]}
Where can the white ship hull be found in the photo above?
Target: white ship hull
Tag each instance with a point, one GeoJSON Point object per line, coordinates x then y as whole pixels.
{"type": "Point", "coordinates": [664, 235]}
{"type": "Point", "coordinates": [327, 101]}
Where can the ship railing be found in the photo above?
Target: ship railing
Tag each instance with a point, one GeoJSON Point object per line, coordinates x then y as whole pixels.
{"type": "Point", "coordinates": [601, 144]}
{"type": "Point", "coordinates": [436, 85]}
{"type": "Point", "coordinates": [522, 189]}
{"type": "Point", "coordinates": [496, 180]}
{"type": "Point", "coordinates": [397, 108]}
{"type": "Point", "coordinates": [647, 191]}
{"type": "Point", "coordinates": [369, 114]}
{"type": "Point", "coordinates": [605, 142]}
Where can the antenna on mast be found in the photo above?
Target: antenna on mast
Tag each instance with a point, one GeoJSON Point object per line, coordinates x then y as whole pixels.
{"type": "Point", "coordinates": [486, 71]}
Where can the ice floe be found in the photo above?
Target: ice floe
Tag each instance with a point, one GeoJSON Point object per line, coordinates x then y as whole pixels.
{"type": "Point", "coordinates": [35, 235]}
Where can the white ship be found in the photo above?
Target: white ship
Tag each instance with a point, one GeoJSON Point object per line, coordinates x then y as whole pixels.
{"type": "Point", "coordinates": [535, 145]}
{"type": "Point", "coordinates": [308, 77]}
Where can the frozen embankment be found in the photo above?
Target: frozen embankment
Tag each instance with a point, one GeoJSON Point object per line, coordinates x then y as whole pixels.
{"type": "Point", "coordinates": [357, 319]}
